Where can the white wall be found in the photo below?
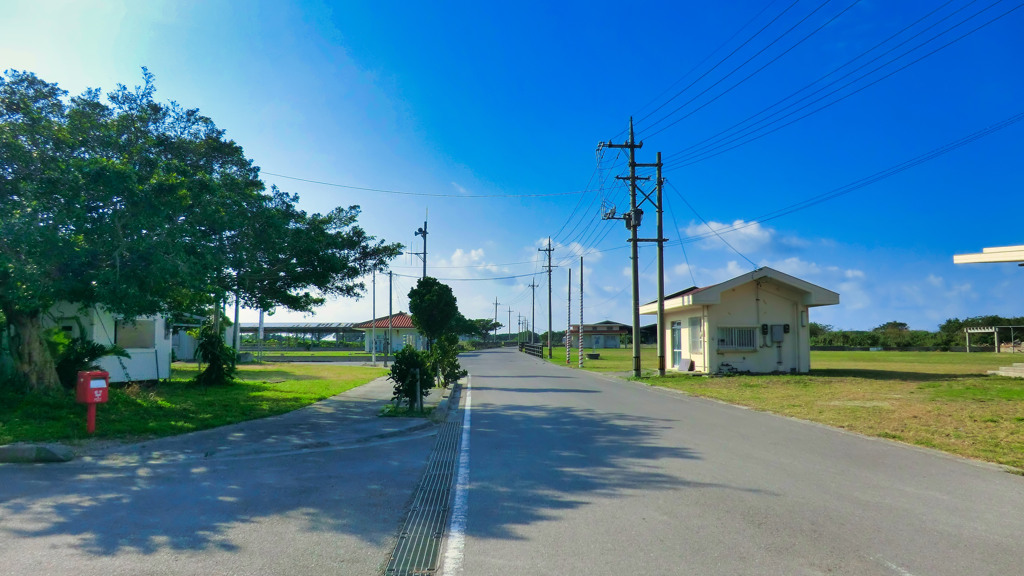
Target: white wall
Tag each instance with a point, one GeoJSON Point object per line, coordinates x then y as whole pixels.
{"type": "Point", "coordinates": [750, 306]}
{"type": "Point", "coordinates": [149, 362]}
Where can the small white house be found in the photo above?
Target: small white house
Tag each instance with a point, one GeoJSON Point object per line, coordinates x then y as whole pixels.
{"type": "Point", "coordinates": [402, 333]}
{"type": "Point", "coordinates": [147, 339]}
{"type": "Point", "coordinates": [757, 322]}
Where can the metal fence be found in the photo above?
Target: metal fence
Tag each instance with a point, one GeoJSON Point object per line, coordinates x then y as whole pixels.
{"type": "Point", "coordinates": [532, 349]}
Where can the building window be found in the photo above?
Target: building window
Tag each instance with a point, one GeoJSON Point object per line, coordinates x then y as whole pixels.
{"type": "Point", "coordinates": [137, 334]}
{"type": "Point", "coordinates": [696, 338]}
{"type": "Point", "coordinates": [733, 338]}
{"type": "Point", "coordinates": [677, 344]}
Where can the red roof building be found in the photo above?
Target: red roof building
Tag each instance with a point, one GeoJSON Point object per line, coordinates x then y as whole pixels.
{"type": "Point", "coordinates": [402, 333]}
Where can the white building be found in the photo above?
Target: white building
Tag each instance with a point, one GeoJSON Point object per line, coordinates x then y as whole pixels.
{"type": "Point", "coordinates": [757, 322]}
{"type": "Point", "coordinates": [147, 339]}
{"type": "Point", "coordinates": [402, 333]}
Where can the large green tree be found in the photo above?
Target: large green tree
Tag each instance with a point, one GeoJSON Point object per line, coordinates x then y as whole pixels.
{"type": "Point", "coordinates": [140, 208]}
{"type": "Point", "coordinates": [434, 308]}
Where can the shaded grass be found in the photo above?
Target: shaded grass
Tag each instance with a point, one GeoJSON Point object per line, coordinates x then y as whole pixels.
{"type": "Point", "coordinates": [137, 411]}
{"type": "Point", "coordinates": [933, 399]}
{"type": "Point", "coordinates": [314, 352]}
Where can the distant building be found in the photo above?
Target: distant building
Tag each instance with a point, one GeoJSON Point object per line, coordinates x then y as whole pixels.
{"type": "Point", "coordinates": [606, 334]}
{"type": "Point", "coordinates": [402, 333]}
{"type": "Point", "coordinates": [757, 322]}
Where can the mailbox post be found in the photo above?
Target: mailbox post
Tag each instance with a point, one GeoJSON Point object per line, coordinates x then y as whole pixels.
{"type": "Point", "coordinates": [91, 389]}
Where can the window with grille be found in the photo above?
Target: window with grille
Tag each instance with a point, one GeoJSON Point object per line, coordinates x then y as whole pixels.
{"type": "Point", "coordinates": [696, 338]}
{"type": "Point", "coordinates": [736, 338]}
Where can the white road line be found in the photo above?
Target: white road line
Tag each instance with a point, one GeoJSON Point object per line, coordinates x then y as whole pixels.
{"type": "Point", "coordinates": [457, 526]}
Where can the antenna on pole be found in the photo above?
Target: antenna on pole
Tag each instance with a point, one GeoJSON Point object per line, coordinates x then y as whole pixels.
{"type": "Point", "coordinates": [423, 232]}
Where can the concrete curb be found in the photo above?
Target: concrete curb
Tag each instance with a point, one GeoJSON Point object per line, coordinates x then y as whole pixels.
{"type": "Point", "coordinates": [23, 453]}
{"type": "Point", "coordinates": [440, 413]}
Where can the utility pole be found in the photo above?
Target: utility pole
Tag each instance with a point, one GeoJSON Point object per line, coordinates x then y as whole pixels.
{"type": "Point", "coordinates": [632, 220]}
{"type": "Point", "coordinates": [581, 312]}
{"type": "Point", "coordinates": [533, 307]}
{"type": "Point", "coordinates": [549, 250]}
{"type": "Point", "coordinates": [510, 323]}
{"type": "Point", "coordinates": [423, 255]}
{"type": "Point", "coordinates": [568, 320]}
{"type": "Point", "coordinates": [495, 318]}
{"type": "Point", "coordinates": [390, 314]}
{"type": "Point", "coordinates": [661, 276]}
{"type": "Point", "coordinates": [373, 327]}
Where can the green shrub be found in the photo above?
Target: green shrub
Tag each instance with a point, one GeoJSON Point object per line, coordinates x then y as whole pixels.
{"type": "Point", "coordinates": [218, 357]}
{"type": "Point", "coordinates": [74, 355]}
{"type": "Point", "coordinates": [409, 367]}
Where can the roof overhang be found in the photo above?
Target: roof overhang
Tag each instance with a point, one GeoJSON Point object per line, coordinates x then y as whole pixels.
{"type": "Point", "coordinates": [989, 255]}
{"type": "Point", "coordinates": [811, 294]}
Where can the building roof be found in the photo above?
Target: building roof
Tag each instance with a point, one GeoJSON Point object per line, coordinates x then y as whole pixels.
{"type": "Point", "coordinates": [603, 327]}
{"type": "Point", "coordinates": [813, 295]}
{"type": "Point", "coordinates": [297, 327]}
{"type": "Point", "coordinates": [398, 320]}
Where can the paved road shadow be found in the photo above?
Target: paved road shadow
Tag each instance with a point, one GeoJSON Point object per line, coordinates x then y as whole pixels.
{"type": "Point", "coordinates": [199, 492]}
{"type": "Point", "coordinates": [556, 459]}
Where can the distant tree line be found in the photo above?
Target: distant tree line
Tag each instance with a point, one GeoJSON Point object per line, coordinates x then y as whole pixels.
{"type": "Point", "coordinates": [899, 335]}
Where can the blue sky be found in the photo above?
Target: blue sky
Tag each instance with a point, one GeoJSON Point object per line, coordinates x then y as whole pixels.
{"type": "Point", "coordinates": [447, 102]}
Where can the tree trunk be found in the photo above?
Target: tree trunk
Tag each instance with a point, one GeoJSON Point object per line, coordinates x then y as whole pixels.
{"type": "Point", "coordinates": [32, 357]}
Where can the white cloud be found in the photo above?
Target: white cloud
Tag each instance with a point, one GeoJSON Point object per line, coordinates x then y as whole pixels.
{"type": "Point", "coordinates": [460, 189]}
{"type": "Point", "coordinates": [743, 236]}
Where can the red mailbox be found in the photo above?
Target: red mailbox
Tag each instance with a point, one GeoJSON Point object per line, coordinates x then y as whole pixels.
{"type": "Point", "coordinates": [91, 390]}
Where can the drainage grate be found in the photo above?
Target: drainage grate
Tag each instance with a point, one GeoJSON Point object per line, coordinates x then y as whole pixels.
{"type": "Point", "coordinates": [419, 542]}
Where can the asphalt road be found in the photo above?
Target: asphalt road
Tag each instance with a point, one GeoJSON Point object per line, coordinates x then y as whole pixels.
{"type": "Point", "coordinates": [319, 491]}
{"type": "Point", "coordinates": [571, 473]}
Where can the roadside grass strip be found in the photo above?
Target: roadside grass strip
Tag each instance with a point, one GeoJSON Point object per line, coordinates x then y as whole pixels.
{"type": "Point", "coordinates": [932, 401]}
{"type": "Point", "coordinates": [157, 409]}
{"type": "Point", "coordinates": [941, 400]}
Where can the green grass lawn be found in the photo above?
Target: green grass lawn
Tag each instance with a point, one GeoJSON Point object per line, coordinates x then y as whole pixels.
{"type": "Point", "coordinates": [942, 400]}
{"type": "Point", "coordinates": [175, 407]}
{"type": "Point", "coordinates": [314, 352]}
{"type": "Point", "coordinates": [611, 360]}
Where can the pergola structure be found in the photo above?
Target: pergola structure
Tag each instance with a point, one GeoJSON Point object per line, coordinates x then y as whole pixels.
{"type": "Point", "coordinates": [994, 330]}
{"type": "Point", "coordinates": [997, 254]}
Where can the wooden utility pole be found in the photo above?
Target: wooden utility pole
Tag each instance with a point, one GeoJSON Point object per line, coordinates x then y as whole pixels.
{"type": "Point", "coordinates": [533, 308]}
{"type": "Point", "coordinates": [661, 277]}
{"type": "Point", "coordinates": [549, 250]}
{"type": "Point", "coordinates": [387, 350]}
{"type": "Point", "coordinates": [632, 219]}
{"type": "Point", "coordinates": [495, 318]}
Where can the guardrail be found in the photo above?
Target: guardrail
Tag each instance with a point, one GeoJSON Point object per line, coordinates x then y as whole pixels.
{"type": "Point", "coordinates": [532, 349]}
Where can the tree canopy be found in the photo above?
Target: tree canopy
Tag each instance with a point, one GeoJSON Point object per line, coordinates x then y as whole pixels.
{"type": "Point", "coordinates": [141, 208]}
{"type": "Point", "coordinates": [434, 308]}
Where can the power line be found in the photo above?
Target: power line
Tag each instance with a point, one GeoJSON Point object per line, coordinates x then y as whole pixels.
{"type": "Point", "coordinates": [736, 69]}
{"type": "Point", "coordinates": [833, 71]}
{"type": "Point", "coordinates": [472, 279]}
{"type": "Point", "coordinates": [749, 76]}
{"type": "Point", "coordinates": [722, 61]}
{"type": "Point", "coordinates": [705, 155]}
{"type": "Point", "coordinates": [720, 237]}
{"type": "Point", "coordinates": [432, 195]}
{"type": "Point", "coordinates": [876, 177]}
{"type": "Point", "coordinates": [699, 64]}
